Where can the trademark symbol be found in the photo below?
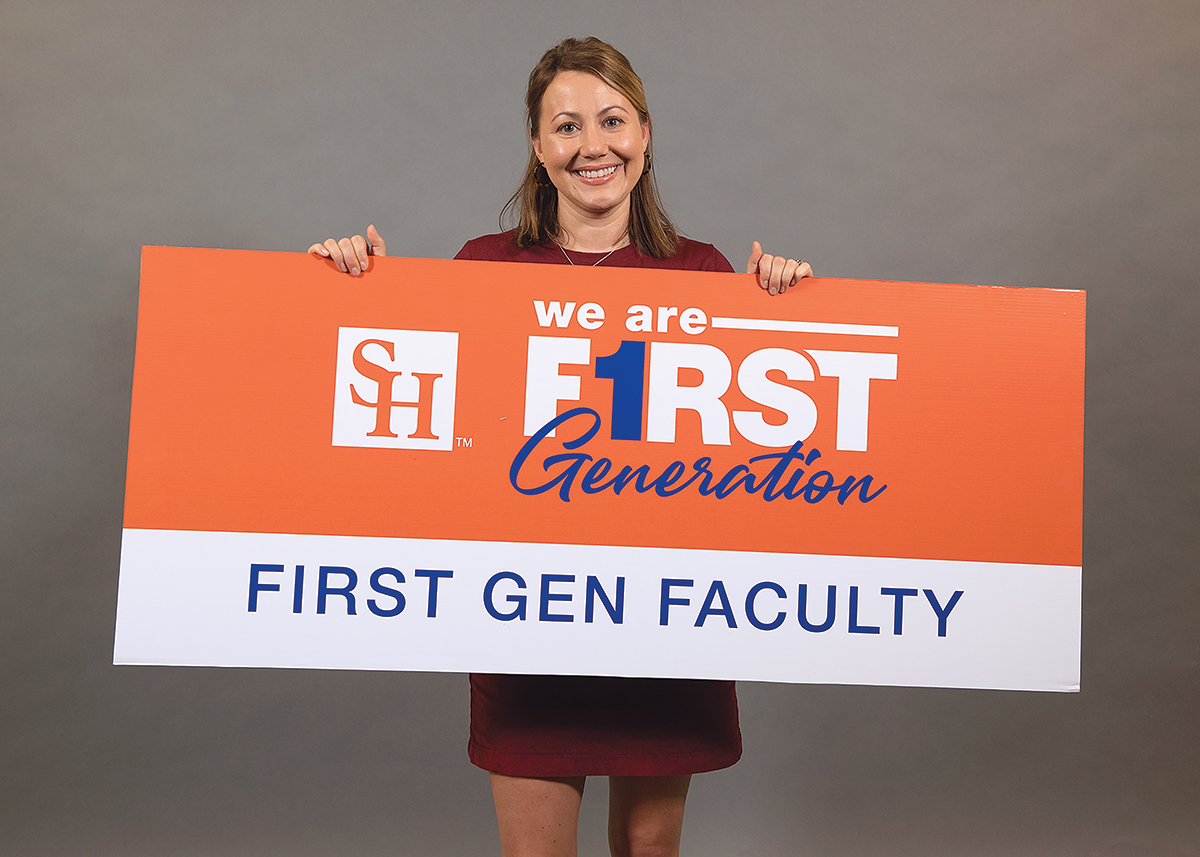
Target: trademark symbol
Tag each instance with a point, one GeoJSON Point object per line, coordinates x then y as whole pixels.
{"type": "Point", "coordinates": [463, 442]}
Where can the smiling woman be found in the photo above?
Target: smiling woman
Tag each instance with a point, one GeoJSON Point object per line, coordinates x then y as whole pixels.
{"type": "Point", "coordinates": [588, 197]}
{"type": "Point", "coordinates": [591, 144]}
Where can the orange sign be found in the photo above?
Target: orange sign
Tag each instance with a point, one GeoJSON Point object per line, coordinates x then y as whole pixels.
{"type": "Point", "coordinates": [978, 440]}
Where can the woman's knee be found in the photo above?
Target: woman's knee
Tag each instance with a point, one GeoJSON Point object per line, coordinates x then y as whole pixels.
{"type": "Point", "coordinates": [645, 815]}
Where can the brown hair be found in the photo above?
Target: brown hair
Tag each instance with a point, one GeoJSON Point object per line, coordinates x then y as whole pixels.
{"type": "Point", "coordinates": [536, 205]}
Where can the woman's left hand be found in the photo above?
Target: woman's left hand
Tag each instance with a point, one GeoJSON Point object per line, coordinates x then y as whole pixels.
{"type": "Point", "coordinates": [776, 274]}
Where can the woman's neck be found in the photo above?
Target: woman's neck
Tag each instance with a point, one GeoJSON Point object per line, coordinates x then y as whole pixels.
{"type": "Point", "coordinates": [591, 233]}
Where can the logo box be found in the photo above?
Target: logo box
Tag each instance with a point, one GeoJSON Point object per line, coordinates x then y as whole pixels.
{"type": "Point", "coordinates": [406, 398]}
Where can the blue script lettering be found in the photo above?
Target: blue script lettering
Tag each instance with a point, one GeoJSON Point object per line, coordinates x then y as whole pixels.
{"type": "Point", "coordinates": [564, 472]}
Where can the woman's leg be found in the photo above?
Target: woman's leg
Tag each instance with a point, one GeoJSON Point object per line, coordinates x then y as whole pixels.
{"type": "Point", "coordinates": [645, 815]}
{"type": "Point", "coordinates": [538, 817]}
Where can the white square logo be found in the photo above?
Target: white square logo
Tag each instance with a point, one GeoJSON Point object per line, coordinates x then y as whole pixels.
{"type": "Point", "coordinates": [395, 388]}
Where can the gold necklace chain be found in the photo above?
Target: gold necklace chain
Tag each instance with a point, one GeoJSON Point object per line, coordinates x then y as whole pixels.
{"type": "Point", "coordinates": [594, 264]}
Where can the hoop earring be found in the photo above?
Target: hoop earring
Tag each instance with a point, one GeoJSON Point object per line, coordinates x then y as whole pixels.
{"type": "Point", "coordinates": [542, 177]}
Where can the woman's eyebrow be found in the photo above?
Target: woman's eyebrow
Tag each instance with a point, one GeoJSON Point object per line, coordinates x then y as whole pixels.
{"type": "Point", "coordinates": [568, 114]}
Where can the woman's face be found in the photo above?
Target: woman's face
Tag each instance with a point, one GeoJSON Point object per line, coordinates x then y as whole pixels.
{"type": "Point", "coordinates": [592, 143]}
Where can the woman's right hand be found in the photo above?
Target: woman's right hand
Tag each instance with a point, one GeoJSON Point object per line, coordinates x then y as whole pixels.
{"type": "Point", "coordinates": [350, 254]}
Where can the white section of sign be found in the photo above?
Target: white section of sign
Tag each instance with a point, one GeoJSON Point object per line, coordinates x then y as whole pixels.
{"type": "Point", "coordinates": [406, 401]}
{"type": "Point", "coordinates": [185, 599]}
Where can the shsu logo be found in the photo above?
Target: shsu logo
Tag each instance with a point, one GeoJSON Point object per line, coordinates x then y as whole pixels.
{"type": "Point", "coordinates": [395, 388]}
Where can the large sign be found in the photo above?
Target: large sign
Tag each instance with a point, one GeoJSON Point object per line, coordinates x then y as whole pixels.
{"type": "Point", "coordinates": [495, 467]}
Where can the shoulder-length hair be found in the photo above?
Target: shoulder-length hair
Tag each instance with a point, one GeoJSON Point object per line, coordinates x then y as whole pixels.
{"type": "Point", "coordinates": [536, 205]}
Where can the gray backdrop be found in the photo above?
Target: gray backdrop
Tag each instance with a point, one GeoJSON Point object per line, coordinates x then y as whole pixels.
{"type": "Point", "coordinates": [1044, 143]}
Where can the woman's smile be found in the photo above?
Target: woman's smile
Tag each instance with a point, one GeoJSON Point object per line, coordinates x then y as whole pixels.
{"type": "Point", "coordinates": [597, 173]}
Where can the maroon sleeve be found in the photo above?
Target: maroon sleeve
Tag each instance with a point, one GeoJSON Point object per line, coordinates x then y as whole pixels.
{"type": "Point", "coordinates": [719, 262]}
{"type": "Point", "coordinates": [470, 251]}
{"type": "Point", "coordinates": [696, 256]}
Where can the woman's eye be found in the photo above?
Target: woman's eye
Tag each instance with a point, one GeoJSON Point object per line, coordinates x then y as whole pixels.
{"type": "Point", "coordinates": [612, 122]}
{"type": "Point", "coordinates": [568, 128]}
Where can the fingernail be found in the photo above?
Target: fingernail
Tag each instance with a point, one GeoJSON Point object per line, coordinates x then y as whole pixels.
{"type": "Point", "coordinates": [342, 265]}
{"type": "Point", "coordinates": [354, 271]}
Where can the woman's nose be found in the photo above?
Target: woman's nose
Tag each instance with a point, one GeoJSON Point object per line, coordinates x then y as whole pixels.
{"type": "Point", "coordinates": [592, 142]}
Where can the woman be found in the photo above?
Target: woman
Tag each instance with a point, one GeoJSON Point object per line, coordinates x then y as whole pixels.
{"type": "Point", "coordinates": [589, 198]}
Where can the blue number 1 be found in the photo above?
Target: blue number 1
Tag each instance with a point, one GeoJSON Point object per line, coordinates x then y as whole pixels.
{"type": "Point", "coordinates": [627, 368]}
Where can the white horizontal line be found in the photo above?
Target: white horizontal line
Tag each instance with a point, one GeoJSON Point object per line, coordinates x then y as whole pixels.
{"type": "Point", "coordinates": [805, 326]}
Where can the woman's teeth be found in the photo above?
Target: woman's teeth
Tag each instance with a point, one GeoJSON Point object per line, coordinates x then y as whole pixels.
{"type": "Point", "coordinates": [598, 174]}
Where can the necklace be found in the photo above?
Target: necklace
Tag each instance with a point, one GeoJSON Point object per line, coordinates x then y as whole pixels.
{"type": "Point", "coordinates": [594, 264]}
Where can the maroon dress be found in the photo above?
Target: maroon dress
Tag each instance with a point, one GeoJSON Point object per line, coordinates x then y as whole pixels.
{"type": "Point", "coordinates": [570, 726]}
